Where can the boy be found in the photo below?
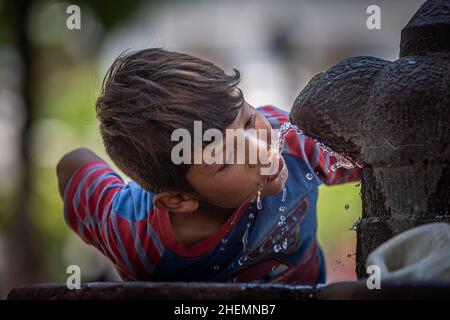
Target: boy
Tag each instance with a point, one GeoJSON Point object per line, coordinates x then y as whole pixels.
{"type": "Point", "coordinates": [193, 222]}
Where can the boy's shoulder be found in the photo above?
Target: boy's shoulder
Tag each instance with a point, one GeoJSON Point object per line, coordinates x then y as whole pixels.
{"type": "Point", "coordinates": [276, 116]}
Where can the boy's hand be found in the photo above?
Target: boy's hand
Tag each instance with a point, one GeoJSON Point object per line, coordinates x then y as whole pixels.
{"type": "Point", "coordinates": [70, 163]}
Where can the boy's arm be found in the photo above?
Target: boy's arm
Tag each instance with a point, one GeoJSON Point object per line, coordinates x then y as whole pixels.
{"type": "Point", "coordinates": [70, 163]}
{"type": "Point", "coordinates": [108, 214]}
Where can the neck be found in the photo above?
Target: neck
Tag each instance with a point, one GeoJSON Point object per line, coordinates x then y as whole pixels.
{"type": "Point", "coordinates": [191, 228]}
{"type": "Point", "coordinates": [207, 209]}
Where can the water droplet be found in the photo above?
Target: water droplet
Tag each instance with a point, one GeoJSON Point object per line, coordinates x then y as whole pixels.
{"type": "Point", "coordinates": [284, 195]}
{"type": "Point", "coordinates": [251, 215]}
{"type": "Point", "coordinates": [283, 186]}
{"type": "Point", "coordinates": [242, 260]}
{"type": "Point", "coordinates": [277, 248]}
{"type": "Point", "coordinates": [341, 161]}
{"type": "Point", "coordinates": [216, 267]}
{"type": "Point", "coordinates": [346, 206]}
{"type": "Point", "coordinates": [282, 209]}
{"type": "Point", "coordinates": [244, 239]}
{"type": "Point", "coordinates": [285, 128]}
{"type": "Point", "coordinates": [285, 243]}
{"type": "Point", "coordinates": [224, 242]}
{"type": "Point", "coordinates": [355, 225]}
{"type": "Point", "coordinates": [258, 201]}
{"type": "Point", "coordinates": [309, 176]}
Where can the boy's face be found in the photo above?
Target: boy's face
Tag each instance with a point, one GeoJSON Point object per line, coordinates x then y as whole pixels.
{"type": "Point", "coordinates": [229, 186]}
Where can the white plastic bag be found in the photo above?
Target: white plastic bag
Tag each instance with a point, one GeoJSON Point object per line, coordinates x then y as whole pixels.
{"type": "Point", "coordinates": [421, 253]}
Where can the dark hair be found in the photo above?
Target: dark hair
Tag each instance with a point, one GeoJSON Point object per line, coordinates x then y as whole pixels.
{"type": "Point", "coordinates": [149, 93]}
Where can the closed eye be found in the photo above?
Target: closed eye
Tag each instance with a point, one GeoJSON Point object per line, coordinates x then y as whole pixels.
{"type": "Point", "coordinates": [249, 124]}
{"type": "Point", "coordinates": [225, 166]}
{"type": "Point", "coordinates": [250, 121]}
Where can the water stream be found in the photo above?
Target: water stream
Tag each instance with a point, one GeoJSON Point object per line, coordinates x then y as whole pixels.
{"type": "Point", "coordinates": [278, 244]}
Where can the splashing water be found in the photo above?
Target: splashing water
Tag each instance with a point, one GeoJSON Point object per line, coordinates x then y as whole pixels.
{"type": "Point", "coordinates": [244, 258]}
{"type": "Point", "coordinates": [341, 161]}
{"type": "Point", "coordinates": [285, 244]}
{"type": "Point", "coordinates": [355, 225]}
{"type": "Point", "coordinates": [258, 199]}
{"type": "Point", "coordinates": [281, 221]}
{"type": "Point", "coordinates": [285, 128]}
{"type": "Point", "coordinates": [282, 209]}
{"type": "Point", "coordinates": [224, 242]}
{"type": "Point", "coordinates": [283, 186]}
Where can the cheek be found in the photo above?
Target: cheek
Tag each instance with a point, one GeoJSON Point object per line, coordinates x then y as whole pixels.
{"type": "Point", "coordinates": [233, 187]}
{"type": "Point", "coordinates": [238, 180]}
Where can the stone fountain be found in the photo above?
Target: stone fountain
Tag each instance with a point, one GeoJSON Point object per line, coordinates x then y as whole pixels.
{"type": "Point", "coordinates": [393, 118]}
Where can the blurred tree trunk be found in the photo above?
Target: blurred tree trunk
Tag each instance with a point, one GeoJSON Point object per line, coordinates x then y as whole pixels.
{"type": "Point", "coordinates": [24, 263]}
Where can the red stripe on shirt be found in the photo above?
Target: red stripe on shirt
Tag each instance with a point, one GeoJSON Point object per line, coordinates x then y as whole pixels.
{"type": "Point", "coordinates": [150, 249]}
{"type": "Point", "coordinates": [127, 239]}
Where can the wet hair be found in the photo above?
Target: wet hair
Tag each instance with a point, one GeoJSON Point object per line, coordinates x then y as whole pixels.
{"type": "Point", "coordinates": [146, 95]}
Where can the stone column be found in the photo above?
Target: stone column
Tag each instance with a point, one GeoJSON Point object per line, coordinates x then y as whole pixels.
{"type": "Point", "coordinates": [393, 118]}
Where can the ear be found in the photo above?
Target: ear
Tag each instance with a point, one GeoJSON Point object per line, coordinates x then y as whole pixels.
{"type": "Point", "coordinates": [175, 202]}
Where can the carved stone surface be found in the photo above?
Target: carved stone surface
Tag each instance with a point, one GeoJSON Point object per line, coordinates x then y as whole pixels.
{"type": "Point", "coordinates": [392, 118]}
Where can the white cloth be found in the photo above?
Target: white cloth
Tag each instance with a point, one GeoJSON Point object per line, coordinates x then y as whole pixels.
{"type": "Point", "coordinates": [421, 253]}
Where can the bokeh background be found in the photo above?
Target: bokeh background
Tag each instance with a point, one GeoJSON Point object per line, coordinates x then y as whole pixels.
{"type": "Point", "coordinates": [50, 78]}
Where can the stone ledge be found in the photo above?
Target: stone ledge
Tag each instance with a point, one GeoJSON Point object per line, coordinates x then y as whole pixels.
{"type": "Point", "coordinates": [225, 291]}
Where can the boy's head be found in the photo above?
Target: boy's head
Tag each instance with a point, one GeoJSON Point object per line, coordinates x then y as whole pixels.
{"type": "Point", "coordinates": [148, 94]}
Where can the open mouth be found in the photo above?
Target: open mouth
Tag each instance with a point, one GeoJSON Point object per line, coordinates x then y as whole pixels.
{"type": "Point", "coordinates": [280, 168]}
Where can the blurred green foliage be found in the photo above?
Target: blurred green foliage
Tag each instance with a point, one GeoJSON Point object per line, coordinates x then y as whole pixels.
{"type": "Point", "coordinates": [339, 207]}
{"type": "Point", "coordinates": [70, 106]}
